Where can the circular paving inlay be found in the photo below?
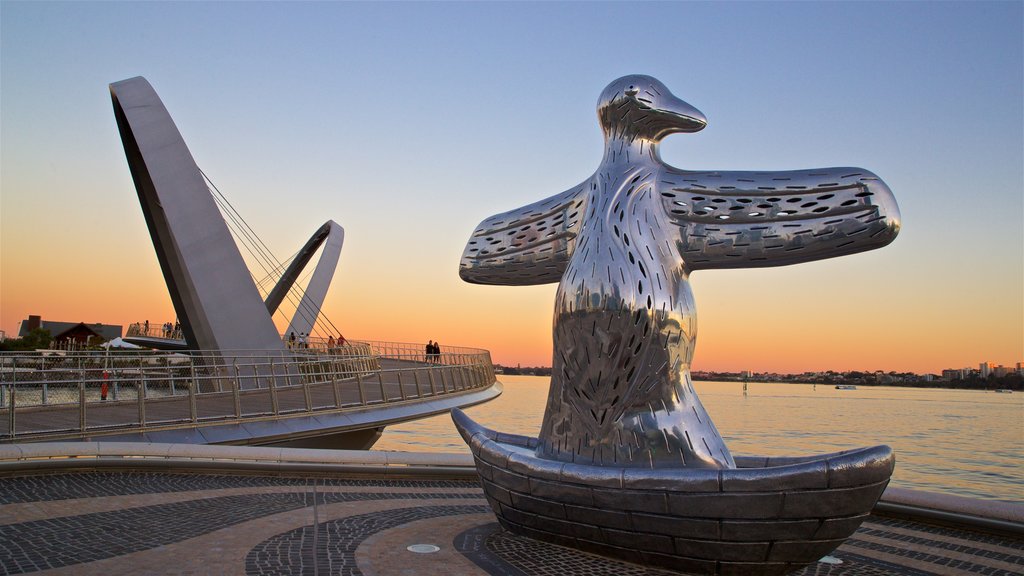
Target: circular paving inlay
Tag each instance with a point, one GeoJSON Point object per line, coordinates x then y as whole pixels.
{"type": "Point", "coordinates": [423, 548]}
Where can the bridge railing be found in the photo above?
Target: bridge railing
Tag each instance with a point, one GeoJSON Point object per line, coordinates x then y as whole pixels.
{"type": "Point", "coordinates": [407, 350]}
{"type": "Point", "coordinates": [154, 330]}
{"type": "Point", "coordinates": [73, 394]}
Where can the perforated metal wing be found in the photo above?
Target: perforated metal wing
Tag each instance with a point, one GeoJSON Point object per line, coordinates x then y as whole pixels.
{"type": "Point", "coordinates": [526, 246]}
{"type": "Point", "coordinates": [752, 219]}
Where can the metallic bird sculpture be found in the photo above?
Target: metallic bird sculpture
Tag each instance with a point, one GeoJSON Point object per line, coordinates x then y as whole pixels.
{"type": "Point", "coordinates": [628, 463]}
{"type": "Point", "coordinates": [622, 245]}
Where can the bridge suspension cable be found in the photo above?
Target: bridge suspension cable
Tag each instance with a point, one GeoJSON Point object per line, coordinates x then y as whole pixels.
{"type": "Point", "coordinates": [268, 262]}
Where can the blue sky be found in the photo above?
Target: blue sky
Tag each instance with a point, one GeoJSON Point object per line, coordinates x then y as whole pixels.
{"type": "Point", "coordinates": [410, 122]}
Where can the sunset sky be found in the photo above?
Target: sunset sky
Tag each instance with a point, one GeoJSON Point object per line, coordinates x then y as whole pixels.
{"type": "Point", "coordinates": [410, 123]}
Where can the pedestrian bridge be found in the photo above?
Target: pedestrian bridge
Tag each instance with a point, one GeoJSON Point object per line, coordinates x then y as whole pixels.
{"type": "Point", "coordinates": [318, 396]}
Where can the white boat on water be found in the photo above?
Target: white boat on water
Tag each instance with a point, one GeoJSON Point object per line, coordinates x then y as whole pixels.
{"type": "Point", "coordinates": [1004, 391]}
{"type": "Point", "coordinates": [845, 387]}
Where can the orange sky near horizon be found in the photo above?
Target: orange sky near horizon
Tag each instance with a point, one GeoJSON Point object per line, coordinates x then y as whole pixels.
{"type": "Point", "coordinates": [811, 317]}
{"type": "Point", "coordinates": [412, 143]}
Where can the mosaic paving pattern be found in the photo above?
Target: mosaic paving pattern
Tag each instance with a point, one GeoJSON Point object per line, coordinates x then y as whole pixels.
{"type": "Point", "coordinates": [91, 485]}
{"type": "Point", "coordinates": [292, 552]}
{"type": "Point", "coordinates": [63, 541]}
{"type": "Point", "coordinates": [522, 556]}
{"type": "Point", "coordinates": [973, 537]}
{"type": "Point", "coordinates": [94, 542]}
{"type": "Point", "coordinates": [507, 554]}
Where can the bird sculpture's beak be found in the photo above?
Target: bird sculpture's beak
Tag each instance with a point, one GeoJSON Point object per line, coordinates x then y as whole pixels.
{"type": "Point", "coordinates": [687, 118]}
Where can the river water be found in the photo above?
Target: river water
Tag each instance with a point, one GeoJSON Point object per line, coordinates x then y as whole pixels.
{"type": "Point", "coordinates": [964, 442]}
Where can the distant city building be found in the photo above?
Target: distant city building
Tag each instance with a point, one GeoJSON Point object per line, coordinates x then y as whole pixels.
{"type": "Point", "coordinates": [984, 369]}
{"type": "Point", "coordinates": [954, 374]}
{"type": "Point", "coordinates": [78, 332]}
{"type": "Point", "coordinates": [1020, 368]}
{"type": "Point", "coordinates": [1000, 371]}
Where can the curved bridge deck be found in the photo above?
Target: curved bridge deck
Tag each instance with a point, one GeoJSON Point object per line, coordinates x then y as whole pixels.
{"type": "Point", "coordinates": [236, 397]}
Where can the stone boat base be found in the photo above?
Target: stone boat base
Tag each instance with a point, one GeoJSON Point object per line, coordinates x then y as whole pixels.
{"type": "Point", "coordinates": [768, 516]}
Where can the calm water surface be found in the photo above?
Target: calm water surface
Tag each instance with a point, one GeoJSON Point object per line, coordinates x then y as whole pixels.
{"type": "Point", "coordinates": [962, 442]}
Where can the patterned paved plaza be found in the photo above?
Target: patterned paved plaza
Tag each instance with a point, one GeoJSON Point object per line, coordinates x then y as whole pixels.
{"type": "Point", "coordinates": [162, 523]}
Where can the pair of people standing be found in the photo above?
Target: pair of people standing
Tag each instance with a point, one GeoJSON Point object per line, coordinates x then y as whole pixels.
{"type": "Point", "coordinates": [433, 351]}
{"type": "Point", "coordinates": [303, 341]}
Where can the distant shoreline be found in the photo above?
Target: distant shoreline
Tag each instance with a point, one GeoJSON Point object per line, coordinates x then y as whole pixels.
{"type": "Point", "coordinates": [935, 384]}
{"type": "Point", "coordinates": [1014, 382]}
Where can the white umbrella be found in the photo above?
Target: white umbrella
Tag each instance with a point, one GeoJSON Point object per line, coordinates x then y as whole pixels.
{"type": "Point", "coordinates": [118, 343]}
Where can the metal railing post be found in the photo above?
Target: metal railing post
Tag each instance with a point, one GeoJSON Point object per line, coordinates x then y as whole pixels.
{"type": "Point", "coordinates": [334, 382]}
{"type": "Point", "coordinates": [306, 396]}
{"type": "Point", "coordinates": [380, 380]}
{"type": "Point", "coordinates": [235, 392]}
{"type": "Point", "coordinates": [430, 377]}
{"type": "Point", "coordinates": [11, 419]}
{"type": "Point", "coordinates": [81, 377]}
{"type": "Point", "coordinates": [14, 373]}
{"type": "Point", "coordinates": [416, 377]}
{"type": "Point", "coordinates": [273, 392]}
{"type": "Point", "coordinates": [401, 386]}
{"type": "Point", "coordinates": [141, 393]}
{"type": "Point", "coordinates": [192, 400]}
{"type": "Point", "coordinates": [42, 367]}
{"type": "Point", "coordinates": [81, 406]}
{"type": "Point", "coordinates": [359, 383]}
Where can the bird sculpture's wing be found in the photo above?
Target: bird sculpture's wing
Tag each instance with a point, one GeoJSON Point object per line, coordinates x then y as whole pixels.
{"type": "Point", "coordinates": [753, 219]}
{"type": "Point", "coordinates": [526, 246]}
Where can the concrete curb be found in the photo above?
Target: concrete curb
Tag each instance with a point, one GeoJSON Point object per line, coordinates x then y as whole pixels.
{"type": "Point", "coordinates": [992, 515]}
{"type": "Point", "coordinates": [50, 456]}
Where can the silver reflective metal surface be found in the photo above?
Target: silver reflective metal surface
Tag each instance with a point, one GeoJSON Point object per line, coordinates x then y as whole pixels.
{"type": "Point", "coordinates": [622, 245]}
{"type": "Point", "coordinates": [213, 294]}
{"type": "Point", "coordinates": [332, 236]}
{"type": "Point", "coordinates": [766, 516]}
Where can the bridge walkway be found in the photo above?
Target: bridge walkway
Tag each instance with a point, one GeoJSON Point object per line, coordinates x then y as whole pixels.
{"type": "Point", "coordinates": [144, 400]}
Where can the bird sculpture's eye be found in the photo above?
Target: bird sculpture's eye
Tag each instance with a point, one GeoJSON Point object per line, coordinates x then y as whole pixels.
{"type": "Point", "coordinates": [632, 91]}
